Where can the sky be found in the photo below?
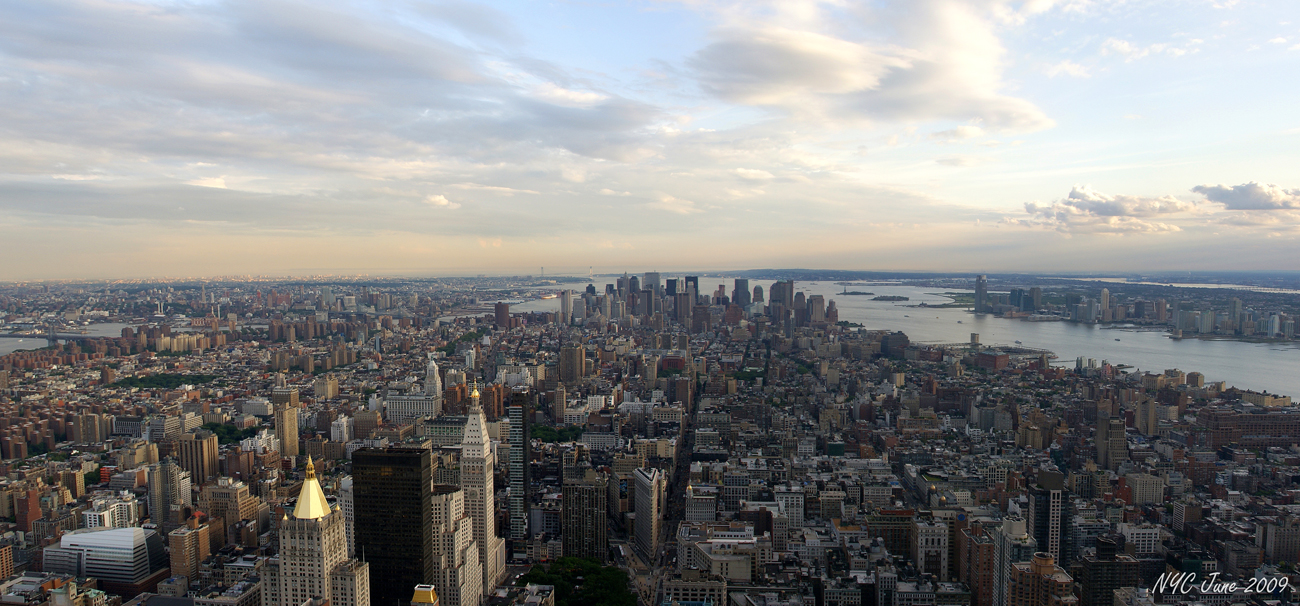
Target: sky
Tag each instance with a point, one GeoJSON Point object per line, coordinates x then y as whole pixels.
{"type": "Point", "coordinates": [211, 138]}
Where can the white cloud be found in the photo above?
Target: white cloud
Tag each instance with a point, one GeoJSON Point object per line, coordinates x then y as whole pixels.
{"type": "Point", "coordinates": [215, 182]}
{"type": "Point", "coordinates": [675, 205]}
{"type": "Point", "coordinates": [1068, 68]}
{"type": "Point", "coordinates": [938, 60]}
{"type": "Point", "coordinates": [441, 201]}
{"type": "Point", "coordinates": [1132, 52]}
{"type": "Point", "coordinates": [965, 131]}
{"type": "Point", "coordinates": [498, 189]}
{"type": "Point", "coordinates": [567, 97]}
{"type": "Point", "coordinates": [1251, 196]}
{"type": "Point", "coordinates": [962, 161]}
{"type": "Point", "coordinates": [752, 174]}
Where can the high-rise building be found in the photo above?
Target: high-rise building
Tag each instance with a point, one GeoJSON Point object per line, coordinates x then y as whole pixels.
{"type": "Point", "coordinates": [583, 516]}
{"type": "Point", "coordinates": [477, 462]}
{"type": "Point", "coordinates": [519, 414]}
{"type": "Point", "coordinates": [502, 310]}
{"type": "Point", "coordinates": [981, 294]}
{"type": "Point", "coordinates": [393, 491]}
{"type": "Point", "coordinates": [169, 487]}
{"type": "Point", "coordinates": [198, 451]}
{"type": "Point", "coordinates": [741, 294]}
{"type": "Point", "coordinates": [1047, 514]}
{"type": "Point", "coordinates": [313, 557]}
{"type": "Point", "coordinates": [228, 499]}
{"type": "Point", "coordinates": [693, 287]}
{"type": "Point", "coordinates": [650, 487]}
{"type": "Point", "coordinates": [189, 545]}
{"type": "Point", "coordinates": [566, 307]}
{"type": "Point", "coordinates": [457, 573]}
{"type": "Point", "coordinates": [573, 360]}
{"type": "Point", "coordinates": [286, 427]}
{"type": "Point", "coordinates": [651, 283]}
{"type": "Point", "coordinates": [1011, 543]}
{"type": "Point", "coordinates": [126, 561]}
{"type": "Point", "coordinates": [1101, 573]}
{"type": "Point", "coordinates": [1040, 582]}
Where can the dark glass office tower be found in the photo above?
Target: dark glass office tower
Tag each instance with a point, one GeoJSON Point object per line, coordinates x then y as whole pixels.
{"type": "Point", "coordinates": [393, 495]}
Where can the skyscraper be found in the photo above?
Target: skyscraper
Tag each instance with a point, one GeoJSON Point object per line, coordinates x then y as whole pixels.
{"type": "Point", "coordinates": [286, 427]}
{"type": "Point", "coordinates": [572, 363]}
{"type": "Point", "coordinates": [313, 558]}
{"type": "Point", "coordinates": [650, 486]}
{"type": "Point", "coordinates": [740, 295]}
{"type": "Point", "coordinates": [169, 486]}
{"type": "Point", "coordinates": [651, 283]}
{"type": "Point", "coordinates": [518, 413]}
{"type": "Point", "coordinates": [1011, 543]}
{"type": "Point", "coordinates": [693, 286]}
{"type": "Point", "coordinates": [981, 294]}
{"type": "Point", "coordinates": [198, 452]}
{"type": "Point", "coordinates": [188, 546]}
{"type": "Point", "coordinates": [583, 516]}
{"type": "Point", "coordinates": [502, 313]}
{"type": "Point", "coordinates": [393, 495]}
{"type": "Point", "coordinates": [1048, 515]}
{"type": "Point", "coordinates": [566, 307]}
{"type": "Point", "coordinates": [457, 573]}
{"type": "Point", "coordinates": [477, 462]}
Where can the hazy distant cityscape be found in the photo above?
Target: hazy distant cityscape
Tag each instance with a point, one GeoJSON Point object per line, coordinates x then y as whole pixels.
{"type": "Point", "coordinates": [645, 438]}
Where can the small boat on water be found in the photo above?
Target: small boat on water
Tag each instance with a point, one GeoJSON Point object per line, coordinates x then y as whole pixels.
{"type": "Point", "coordinates": [959, 321]}
{"type": "Point", "coordinates": [1116, 339]}
{"type": "Point", "coordinates": [1018, 343]}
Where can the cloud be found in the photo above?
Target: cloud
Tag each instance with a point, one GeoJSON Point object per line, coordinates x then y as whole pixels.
{"type": "Point", "coordinates": [505, 191]}
{"type": "Point", "coordinates": [1068, 68]}
{"type": "Point", "coordinates": [1086, 210]}
{"type": "Point", "coordinates": [216, 182]}
{"type": "Point", "coordinates": [1251, 196]}
{"type": "Point", "coordinates": [1132, 52]}
{"type": "Point", "coordinates": [440, 200]}
{"type": "Point", "coordinates": [962, 161]}
{"type": "Point", "coordinates": [675, 205]}
{"type": "Point", "coordinates": [752, 174]}
{"type": "Point", "coordinates": [929, 60]}
{"type": "Point", "coordinates": [959, 133]}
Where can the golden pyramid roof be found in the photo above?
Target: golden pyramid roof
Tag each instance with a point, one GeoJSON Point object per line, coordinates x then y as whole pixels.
{"type": "Point", "coordinates": [425, 594]}
{"type": "Point", "coordinates": [311, 501]}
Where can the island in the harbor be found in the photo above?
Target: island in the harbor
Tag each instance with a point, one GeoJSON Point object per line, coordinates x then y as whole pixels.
{"type": "Point", "coordinates": [856, 293]}
{"type": "Point", "coordinates": [890, 298]}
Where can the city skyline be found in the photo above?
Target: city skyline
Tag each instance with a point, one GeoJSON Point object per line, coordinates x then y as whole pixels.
{"type": "Point", "coordinates": [457, 137]}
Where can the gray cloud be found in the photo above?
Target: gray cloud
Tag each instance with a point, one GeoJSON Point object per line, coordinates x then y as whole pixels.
{"type": "Point", "coordinates": [1251, 196]}
{"type": "Point", "coordinates": [1085, 210]}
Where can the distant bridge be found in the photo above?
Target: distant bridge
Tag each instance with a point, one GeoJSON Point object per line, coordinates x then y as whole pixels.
{"type": "Point", "coordinates": [50, 337]}
{"type": "Point", "coordinates": [1015, 350]}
